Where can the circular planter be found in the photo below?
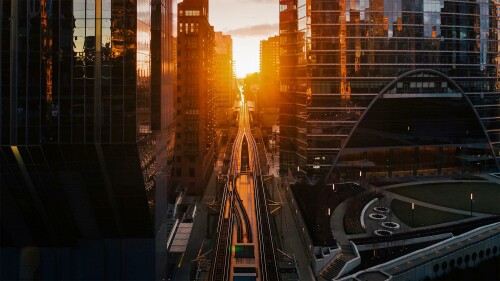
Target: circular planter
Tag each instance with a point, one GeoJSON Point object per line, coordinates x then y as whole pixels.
{"type": "Point", "coordinates": [383, 232]}
{"type": "Point", "coordinates": [391, 225]}
{"type": "Point", "coordinates": [380, 209]}
{"type": "Point", "coordinates": [377, 217]}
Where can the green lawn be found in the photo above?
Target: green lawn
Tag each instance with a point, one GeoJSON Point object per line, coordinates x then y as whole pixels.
{"type": "Point", "coordinates": [422, 216]}
{"type": "Point", "coordinates": [456, 195]}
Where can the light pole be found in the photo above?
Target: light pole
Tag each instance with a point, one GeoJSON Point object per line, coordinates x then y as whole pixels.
{"type": "Point", "coordinates": [360, 175]}
{"type": "Point", "coordinates": [413, 214]}
{"type": "Point", "coordinates": [333, 187]}
{"type": "Point", "coordinates": [471, 199]}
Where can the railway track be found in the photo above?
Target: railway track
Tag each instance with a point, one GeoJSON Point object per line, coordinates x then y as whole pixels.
{"type": "Point", "coordinates": [234, 215]}
{"type": "Point", "coordinates": [267, 251]}
{"type": "Point", "coordinates": [221, 261]}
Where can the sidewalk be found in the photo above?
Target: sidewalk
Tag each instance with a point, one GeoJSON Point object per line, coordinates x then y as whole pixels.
{"type": "Point", "coordinates": [292, 241]}
{"type": "Point", "coordinates": [337, 222]}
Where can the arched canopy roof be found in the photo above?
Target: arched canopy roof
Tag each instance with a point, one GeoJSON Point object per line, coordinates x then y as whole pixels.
{"type": "Point", "coordinates": [411, 93]}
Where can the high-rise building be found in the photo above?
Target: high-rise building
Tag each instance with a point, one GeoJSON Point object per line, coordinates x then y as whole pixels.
{"type": "Point", "coordinates": [224, 75]}
{"type": "Point", "coordinates": [195, 101]}
{"type": "Point", "coordinates": [163, 34]}
{"type": "Point", "coordinates": [389, 88]}
{"type": "Point", "coordinates": [78, 152]}
{"type": "Point", "coordinates": [269, 72]}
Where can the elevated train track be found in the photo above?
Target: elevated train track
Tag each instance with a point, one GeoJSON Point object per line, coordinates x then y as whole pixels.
{"type": "Point", "coordinates": [244, 202]}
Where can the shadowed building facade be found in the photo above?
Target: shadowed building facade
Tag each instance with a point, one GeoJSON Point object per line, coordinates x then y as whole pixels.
{"type": "Point", "coordinates": [78, 139]}
{"type": "Point", "coordinates": [416, 79]}
{"type": "Point", "coordinates": [195, 99]}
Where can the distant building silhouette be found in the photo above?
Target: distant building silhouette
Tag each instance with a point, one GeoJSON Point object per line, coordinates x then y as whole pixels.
{"type": "Point", "coordinates": [269, 72]}
{"type": "Point", "coordinates": [224, 76]}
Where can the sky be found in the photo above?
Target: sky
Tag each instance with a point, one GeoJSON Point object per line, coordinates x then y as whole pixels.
{"type": "Point", "coordinates": [248, 22]}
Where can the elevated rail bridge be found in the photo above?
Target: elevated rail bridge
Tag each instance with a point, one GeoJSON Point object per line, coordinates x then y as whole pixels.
{"type": "Point", "coordinates": [245, 249]}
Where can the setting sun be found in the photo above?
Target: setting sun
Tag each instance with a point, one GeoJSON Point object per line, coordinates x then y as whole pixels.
{"type": "Point", "coordinates": [247, 22]}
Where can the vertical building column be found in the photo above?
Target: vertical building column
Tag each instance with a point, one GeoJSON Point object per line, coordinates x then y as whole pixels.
{"type": "Point", "coordinates": [97, 71]}
{"type": "Point", "coordinates": [14, 18]}
{"type": "Point", "coordinates": [1, 39]}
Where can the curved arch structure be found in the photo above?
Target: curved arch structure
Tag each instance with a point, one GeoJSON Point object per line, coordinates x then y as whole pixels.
{"type": "Point", "coordinates": [398, 89]}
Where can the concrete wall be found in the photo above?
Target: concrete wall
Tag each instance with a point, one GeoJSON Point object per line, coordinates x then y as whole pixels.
{"type": "Point", "coordinates": [350, 265]}
{"type": "Point", "coordinates": [428, 270]}
{"type": "Point", "coordinates": [410, 241]}
{"type": "Point", "coordinates": [474, 247]}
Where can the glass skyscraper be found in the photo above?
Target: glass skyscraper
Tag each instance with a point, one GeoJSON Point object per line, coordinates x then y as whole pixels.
{"type": "Point", "coordinates": [78, 143]}
{"type": "Point", "coordinates": [417, 81]}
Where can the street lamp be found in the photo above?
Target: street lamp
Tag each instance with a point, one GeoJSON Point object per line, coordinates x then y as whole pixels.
{"type": "Point", "coordinates": [328, 211]}
{"type": "Point", "coordinates": [471, 199]}
{"type": "Point", "coordinates": [333, 187]}
{"type": "Point", "coordinates": [413, 214]}
{"type": "Point", "coordinates": [360, 175]}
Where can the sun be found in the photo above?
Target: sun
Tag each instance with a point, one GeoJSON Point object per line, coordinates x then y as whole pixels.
{"type": "Point", "coordinates": [246, 55]}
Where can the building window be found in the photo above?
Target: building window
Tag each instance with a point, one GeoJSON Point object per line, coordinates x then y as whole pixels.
{"type": "Point", "coordinates": [192, 13]}
{"type": "Point", "coordinates": [179, 172]}
{"type": "Point", "coordinates": [191, 172]}
{"type": "Point", "coordinates": [180, 27]}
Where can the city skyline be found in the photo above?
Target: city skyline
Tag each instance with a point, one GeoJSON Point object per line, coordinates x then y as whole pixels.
{"type": "Point", "coordinates": [252, 140]}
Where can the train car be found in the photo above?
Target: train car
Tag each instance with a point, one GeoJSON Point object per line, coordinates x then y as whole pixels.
{"type": "Point", "coordinates": [245, 160]}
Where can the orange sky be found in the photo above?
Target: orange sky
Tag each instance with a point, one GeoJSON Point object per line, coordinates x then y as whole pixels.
{"type": "Point", "coordinates": [248, 22]}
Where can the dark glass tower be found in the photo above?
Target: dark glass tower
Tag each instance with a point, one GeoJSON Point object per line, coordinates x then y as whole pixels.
{"type": "Point", "coordinates": [78, 147]}
{"type": "Point", "coordinates": [339, 57]}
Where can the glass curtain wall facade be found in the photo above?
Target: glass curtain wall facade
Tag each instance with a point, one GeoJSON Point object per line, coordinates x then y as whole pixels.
{"type": "Point", "coordinates": [77, 150]}
{"type": "Point", "coordinates": [341, 54]}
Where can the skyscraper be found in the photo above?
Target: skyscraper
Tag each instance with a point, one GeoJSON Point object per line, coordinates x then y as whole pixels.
{"type": "Point", "coordinates": [77, 148]}
{"type": "Point", "coordinates": [195, 101]}
{"type": "Point", "coordinates": [389, 88]}
{"type": "Point", "coordinates": [269, 72]}
{"type": "Point", "coordinates": [224, 76]}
